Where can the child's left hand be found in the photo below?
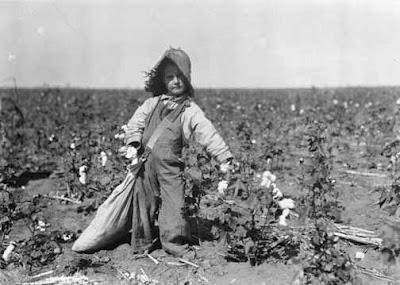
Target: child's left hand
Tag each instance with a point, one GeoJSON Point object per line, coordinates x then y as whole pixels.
{"type": "Point", "coordinates": [226, 166]}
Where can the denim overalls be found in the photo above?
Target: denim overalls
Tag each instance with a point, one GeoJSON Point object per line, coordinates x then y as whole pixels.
{"type": "Point", "coordinates": [159, 190]}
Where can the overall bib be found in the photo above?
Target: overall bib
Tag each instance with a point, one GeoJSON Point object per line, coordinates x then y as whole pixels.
{"type": "Point", "coordinates": [159, 190]}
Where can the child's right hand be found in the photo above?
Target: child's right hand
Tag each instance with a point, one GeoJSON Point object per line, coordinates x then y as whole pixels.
{"type": "Point", "coordinates": [131, 152]}
{"type": "Point", "coordinates": [226, 167]}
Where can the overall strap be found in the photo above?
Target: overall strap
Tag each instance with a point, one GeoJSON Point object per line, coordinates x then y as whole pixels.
{"type": "Point", "coordinates": [171, 117]}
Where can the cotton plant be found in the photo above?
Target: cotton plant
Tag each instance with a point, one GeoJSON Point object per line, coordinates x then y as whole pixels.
{"type": "Point", "coordinates": [268, 181]}
{"type": "Point", "coordinates": [83, 174]}
{"type": "Point", "coordinates": [121, 135]}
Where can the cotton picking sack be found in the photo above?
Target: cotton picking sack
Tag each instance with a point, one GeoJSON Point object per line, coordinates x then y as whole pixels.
{"type": "Point", "coordinates": [113, 219]}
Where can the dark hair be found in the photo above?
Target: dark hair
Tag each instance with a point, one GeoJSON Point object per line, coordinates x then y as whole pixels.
{"type": "Point", "coordinates": [154, 80]}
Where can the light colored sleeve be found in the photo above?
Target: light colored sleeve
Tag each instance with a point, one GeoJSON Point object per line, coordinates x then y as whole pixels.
{"type": "Point", "coordinates": [197, 126]}
{"type": "Point", "coordinates": [136, 124]}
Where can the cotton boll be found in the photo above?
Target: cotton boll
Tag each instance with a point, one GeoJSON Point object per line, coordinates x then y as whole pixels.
{"type": "Point", "coordinates": [103, 157]}
{"type": "Point", "coordinates": [276, 193]}
{"type": "Point", "coordinates": [286, 203]}
{"type": "Point", "coordinates": [359, 255]}
{"type": "Point", "coordinates": [120, 136]}
{"type": "Point", "coordinates": [72, 146]}
{"type": "Point", "coordinates": [122, 150]}
{"type": "Point", "coordinates": [8, 251]}
{"type": "Point", "coordinates": [134, 161]}
{"type": "Point", "coordinates": [131, 152]}
{"type": "Point", "coordinates": [222, 186]}
{"type": "Point", "coordinates": [265, 183]}
{"type": "Point", "coordinates": [124, 128]}
{"type": "Point", "coordinates": [282, 218]}
{"type": "Point", "coordinates": [266, 174]}
{"type": "Point", "coordinates": [82, 174]}
{"type": "Point", "coordinates": [293, 107]}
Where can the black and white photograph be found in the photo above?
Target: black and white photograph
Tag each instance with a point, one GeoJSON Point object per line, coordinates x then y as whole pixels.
{"type": "Point", "coordinates": [188, 142]}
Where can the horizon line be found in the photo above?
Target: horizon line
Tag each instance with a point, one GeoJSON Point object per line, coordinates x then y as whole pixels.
{"type": "Point", "coordinates": [201, 88]}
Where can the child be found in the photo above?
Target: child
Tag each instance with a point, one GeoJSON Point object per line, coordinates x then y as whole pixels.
{"type": "Point", "coordinates": [159, 188]}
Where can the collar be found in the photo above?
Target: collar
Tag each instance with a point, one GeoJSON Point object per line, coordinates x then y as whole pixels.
{"type": "Point", "coordinates": [165, 97]}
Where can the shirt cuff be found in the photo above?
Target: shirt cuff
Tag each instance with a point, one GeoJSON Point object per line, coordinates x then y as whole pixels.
{"type": "Point", "coordinates": [134, 138]}
{"type": "Point", "coordinates": [224, 156]}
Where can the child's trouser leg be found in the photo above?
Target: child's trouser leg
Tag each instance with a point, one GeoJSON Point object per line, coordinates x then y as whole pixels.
{"type": "Point", "coordinates": [174, 228]}
{"type": "Point", "coordinates": [145, 200]}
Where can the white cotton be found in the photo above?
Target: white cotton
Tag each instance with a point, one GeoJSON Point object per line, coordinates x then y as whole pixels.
{"type": "Point", "coordinates": [282, 218]}
{"type": "Point", "coordinates": [265, 183]}
{"type": "Point", "coordinates": [120, 136]}
{"type": "Point", "coordinates": [286, 203]}
{"type": "Point", "coordinates": [7, 252]}
{"type": "Point", "coordinates": [131, 152]}
{"type": "Point", "coordinates": [335, 102]}
{"type": "Point", "coordinates": [222, 186]}
{"type": "Point", "coordinates": [225, 167]}
{"type": "Point", "coordinates": [267, 179]}
{"type": "Point", "coordinates": [103, 157]}
{"type": "Point", "coordinates": [82, 178]}
{"type": "Point", "coordinates": [72, 146]}
{"type": "Point", "coordinates": [276, 193]}
{"type": "Point", "coordinates": [266, 174]}
{"type": "Point", "coordinates": [82, 174]}
{"type": "Point", "coordinates": [359, 255]}
{"type": "Point", "coordinates": [293, 107]}
{"type": "Point", "coordinates": [124, 128]}
{"type": "Point", "coordinates": [122, 150]}
{"type": "Point", "coordinates": [134, 161]}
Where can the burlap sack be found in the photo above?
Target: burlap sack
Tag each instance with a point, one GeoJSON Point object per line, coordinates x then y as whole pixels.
{"type": "Point", "coordinates": [113, 219]}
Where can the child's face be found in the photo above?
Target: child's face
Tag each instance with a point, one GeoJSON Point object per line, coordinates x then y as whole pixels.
{"type": "Point", "coordinates": [174, 80]}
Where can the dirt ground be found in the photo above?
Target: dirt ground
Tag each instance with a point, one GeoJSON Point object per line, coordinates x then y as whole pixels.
{"type": "Point", "coordinates": [88, 118]}
{"type": "Point", "coordinates": [105, 267]}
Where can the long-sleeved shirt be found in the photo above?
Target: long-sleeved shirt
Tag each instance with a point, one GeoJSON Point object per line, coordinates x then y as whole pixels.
{"type": "Point", "coordinates": [194, 125]}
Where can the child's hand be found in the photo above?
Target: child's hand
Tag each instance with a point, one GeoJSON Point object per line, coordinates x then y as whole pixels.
{"type": "Point", "coordinates": [226, 167]}
{"type": "Point", "coordinates": [131, 152]}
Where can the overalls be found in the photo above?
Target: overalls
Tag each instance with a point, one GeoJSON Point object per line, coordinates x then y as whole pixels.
{"type": "Point", "coordinates": [159, 190]}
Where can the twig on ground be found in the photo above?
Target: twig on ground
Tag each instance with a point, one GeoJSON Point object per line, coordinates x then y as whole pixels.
{"type": "Point", "coordinates": [376, 274]}
{"type": "Point", "coordinates": [65, 199]}
{"type": "Point", "coordinates": [145, 275]}
{"type": "Point", "coordinates": [188, 262]}
{"type": "Point", "coordinates": [153, 259]}
{"type": "Point", "coordinates": [367, 240]}
{"type": "Point", "coordinates": [366, 173]}
{"type": "Point", "coordinates": [123, 274]}
{"type": "Point", "coordinates": [41, 274]}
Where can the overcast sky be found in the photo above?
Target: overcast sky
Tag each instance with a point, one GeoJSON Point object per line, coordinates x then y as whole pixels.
{"type": "Point", "coordinates": [231, 43]}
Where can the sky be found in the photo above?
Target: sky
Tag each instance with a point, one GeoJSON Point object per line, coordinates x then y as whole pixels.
{"type": "Point", "coordinates": [232, 43]}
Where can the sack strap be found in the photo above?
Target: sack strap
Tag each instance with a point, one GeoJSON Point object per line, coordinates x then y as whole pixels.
{"type": "Point", "coordinates": [171, 117]}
